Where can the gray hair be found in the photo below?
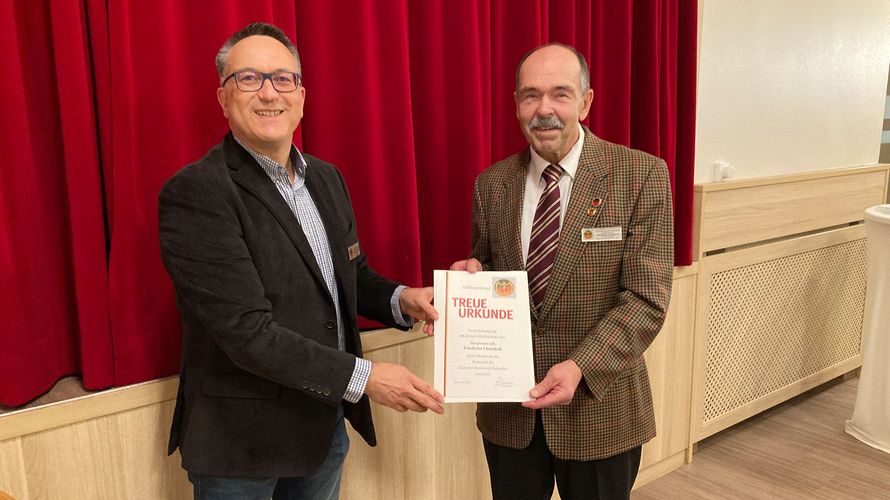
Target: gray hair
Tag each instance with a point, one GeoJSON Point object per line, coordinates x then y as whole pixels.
{"type": "Point", "coordinates": [253, 29]}
{"type": "Point", "coordinates": [583, 76]}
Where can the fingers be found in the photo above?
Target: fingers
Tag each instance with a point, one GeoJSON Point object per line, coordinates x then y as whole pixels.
{"type": "Point", "coordinates": [557, 388]}
{"type": "Point", "coordinates": [542, 402]}
{"type": "Point", "coordinates": [543, 387]}
{"type": "Point", "coordinates": [552, 398]}
{"type": "Point", "coordinates": [429, 312]}
{"type": "Point", "coordinates": [422, 396]}
{"type": "Point", "coordinates": [428, 390]}
{"type": "Point", "coordinates": [396, 387]}
{"type": "Point", "coordinates": [428, 328]}
{"type": "Point", "coordinates": [425, 402]}
{"type": "Point", "coordinates": [417, 302]}
{"type": "Point", "coordinates": [542, 394]}
{"type": "Point", "coordinates": [473, 265]}
{"type": "Point", "coordinates": [469, 265]}
{"type": "Point", "coordinates": [460, 265]}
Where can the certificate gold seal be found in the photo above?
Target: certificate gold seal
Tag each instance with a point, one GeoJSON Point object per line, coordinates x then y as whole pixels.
{"type": "Point", "coordinates": [504, 287]}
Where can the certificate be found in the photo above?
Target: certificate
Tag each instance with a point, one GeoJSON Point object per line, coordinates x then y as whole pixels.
{"type": "Point", "coordinates": [483, 338]}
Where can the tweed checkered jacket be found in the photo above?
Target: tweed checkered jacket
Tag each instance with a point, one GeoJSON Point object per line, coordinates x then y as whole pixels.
{"type": "Point", "coordinates": [605, 302]}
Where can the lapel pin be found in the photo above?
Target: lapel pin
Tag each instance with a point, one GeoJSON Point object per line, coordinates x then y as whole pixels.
{"type": "Point", "coordinates": [594, 206]}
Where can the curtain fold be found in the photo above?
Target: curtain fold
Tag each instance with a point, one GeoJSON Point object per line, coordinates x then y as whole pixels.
{"type": "Point", "coordinates": [53, 309]}
{"type": "Point", "coordinates": [161, 113]}
{"type": "Point", "coordinates": [358, 116]}
{"type": "Point", "coordinates": [410, 98]}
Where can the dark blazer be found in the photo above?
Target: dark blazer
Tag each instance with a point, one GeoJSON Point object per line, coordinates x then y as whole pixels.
{"type": "Point", "coordinates": [261, 377]}
{"type": "Point", "coordinates": [604, 304]}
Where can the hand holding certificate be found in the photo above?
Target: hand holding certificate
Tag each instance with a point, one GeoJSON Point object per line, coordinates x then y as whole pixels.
{"type": "Point", "coordinates": [483, 340]}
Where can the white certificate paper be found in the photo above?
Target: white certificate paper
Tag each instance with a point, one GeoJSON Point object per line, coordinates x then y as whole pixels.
{"type": "Point", "coordinates": [483, 338]}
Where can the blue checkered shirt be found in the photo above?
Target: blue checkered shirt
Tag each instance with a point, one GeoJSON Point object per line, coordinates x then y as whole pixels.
{"type": "Point", "coordinates": [300, 202]}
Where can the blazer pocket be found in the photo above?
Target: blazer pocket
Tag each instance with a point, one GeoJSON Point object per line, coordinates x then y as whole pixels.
{"type": "Point", "coordinates": [239, 386]}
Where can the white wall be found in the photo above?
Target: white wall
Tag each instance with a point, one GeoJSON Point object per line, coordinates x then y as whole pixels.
{"type": "Point", "coordinates": [790, 85]}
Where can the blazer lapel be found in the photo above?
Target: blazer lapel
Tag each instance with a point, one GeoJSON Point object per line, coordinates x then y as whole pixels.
{"type": "Point", "coordinates": [249, 175]}
{"type": "Point", "coordinates": [589, 184]}
{"type": "Point", "coordinates": [327, 206]}
{"type": "Point", "coordinates": [511, 213]}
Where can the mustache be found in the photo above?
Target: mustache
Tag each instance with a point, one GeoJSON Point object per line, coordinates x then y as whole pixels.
{"type": "Point", "coordinates": [546, 123]}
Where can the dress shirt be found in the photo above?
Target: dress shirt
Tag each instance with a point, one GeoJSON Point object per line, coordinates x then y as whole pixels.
{"type": "Point", "coordinates": [303, 207]}
{"type": "Point", "coordinates": [534, 186]}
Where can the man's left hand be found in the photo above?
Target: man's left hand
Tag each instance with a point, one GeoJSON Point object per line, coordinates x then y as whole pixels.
{"type": "Point", "coordinates": [417, 303]}
{"type": "Point", "coordinates": [557, 388]}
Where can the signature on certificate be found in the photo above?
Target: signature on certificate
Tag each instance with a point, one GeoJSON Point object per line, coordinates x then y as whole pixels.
{"type": "Point", "coordinates": [502, 382]}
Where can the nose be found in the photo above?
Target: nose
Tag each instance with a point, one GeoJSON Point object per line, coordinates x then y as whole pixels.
{"type": "Point", "coordinates": [267, 91]}
{"type": "Point", "coordinates": [545, 108]}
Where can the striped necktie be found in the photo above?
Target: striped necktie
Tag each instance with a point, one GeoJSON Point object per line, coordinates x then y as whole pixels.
{"type": "Point", "coordinates": [544, 241]}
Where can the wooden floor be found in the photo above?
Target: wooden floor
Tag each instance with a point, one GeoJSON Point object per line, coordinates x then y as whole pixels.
{"type": "Point", "coordinates": [796, 450]}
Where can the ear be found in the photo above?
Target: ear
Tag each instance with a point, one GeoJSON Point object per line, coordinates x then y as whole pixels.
{"type": "Point", "coordinates": [302, 91]}
{"type": "Point", "coordinates": [221, 98]}
{"type": "Point", "coordinates": [586, 101]}
{"type": "Point", "coordinates": [516, 101]}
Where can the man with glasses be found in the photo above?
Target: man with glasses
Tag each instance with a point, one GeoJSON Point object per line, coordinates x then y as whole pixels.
{"type": "Point", "coordinates": [261, 243]}
{"type": "Point", "coordinates": [590, 221]}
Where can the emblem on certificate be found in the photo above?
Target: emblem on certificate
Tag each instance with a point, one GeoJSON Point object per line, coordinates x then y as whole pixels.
{"type": "Point", "coordinates": [504, 287]}
{"type": "Point", "coordinates": [483, 338]}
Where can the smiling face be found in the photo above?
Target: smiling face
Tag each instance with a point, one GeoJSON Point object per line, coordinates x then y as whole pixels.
{"type": "Point", "coordinates": [264, 120]}
{"type": "Point", "coordinates": [550, 102]}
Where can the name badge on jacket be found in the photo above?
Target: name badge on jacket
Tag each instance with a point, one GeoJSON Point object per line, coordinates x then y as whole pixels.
{"type": "Point", "coordinates": [353, 251]}
{"type": "Point", "coordinates": [589, 234]}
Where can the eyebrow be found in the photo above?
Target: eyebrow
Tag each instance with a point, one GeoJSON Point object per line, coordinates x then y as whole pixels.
{"type": "Point", "coordinates": [250, 68]}
{"type": "Point", "coordinates": [564, 87]}
{"type": "Point", "coordinates": [536, 89]}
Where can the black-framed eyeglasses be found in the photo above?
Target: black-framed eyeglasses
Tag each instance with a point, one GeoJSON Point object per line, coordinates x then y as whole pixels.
{"type": "Point", "coordinates": [252, 81]}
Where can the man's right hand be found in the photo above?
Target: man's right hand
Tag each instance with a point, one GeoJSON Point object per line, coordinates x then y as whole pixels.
{"type": "Point", "coordinates": [469, 265]}
{"type": "Point", "coordinates": [396, 387]}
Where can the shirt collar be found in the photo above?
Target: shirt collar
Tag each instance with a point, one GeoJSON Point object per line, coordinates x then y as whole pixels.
{"type": "Point", "coordinates": [569, 162]}
{"type": "Point", "coordinates": [270, 165]}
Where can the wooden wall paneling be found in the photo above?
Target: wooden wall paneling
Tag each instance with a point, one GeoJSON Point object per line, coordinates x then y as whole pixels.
{"type": "Point", "coordinates": [12, 469]}
{"type": "Point", "coordinates": [147, 470]}
{"type": "Point", "coordinates": [121, 456]}
{"type": "Point", "coordinates": [775, 320]}
{"type": "Point", "coordinates": [740, 212]}
{"type": "Point", "coordinates": [461, 470]}
{"type": "Point", "coordinates": [699, 355]}
{"type": "Point", "coordinates": [23, 422]}
{"type": "Point", "coordinates": [699, 199]}
{"type": "Point", "coordinates": [401, 464]}
{"type": "Point", "coordinates": [669, 360]}
{"type": "Point", "coordinates": [112, 444]}
{"type": "Point", "coordinates": [418, 455]}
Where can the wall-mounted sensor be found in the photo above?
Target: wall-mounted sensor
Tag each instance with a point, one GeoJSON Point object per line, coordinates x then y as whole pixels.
{"type": "Point", "coordinates": [723, 171]}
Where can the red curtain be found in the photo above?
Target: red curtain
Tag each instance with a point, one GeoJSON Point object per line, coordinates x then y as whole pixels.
{"type": "Point", "coordinates": [54, 302]}
{"type": "Point", "coordinates": [410, 98]}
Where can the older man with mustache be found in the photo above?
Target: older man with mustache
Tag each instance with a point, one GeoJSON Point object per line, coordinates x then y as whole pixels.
{"type": "Point", "coordinates": [590, 222]}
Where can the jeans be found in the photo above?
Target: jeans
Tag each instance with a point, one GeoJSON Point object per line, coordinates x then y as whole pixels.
{"type": "Point", "coordinates": [323, 484]}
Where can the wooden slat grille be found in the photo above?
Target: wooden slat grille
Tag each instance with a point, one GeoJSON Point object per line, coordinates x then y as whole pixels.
{"type": "Point", "coordinates": [775, 322]}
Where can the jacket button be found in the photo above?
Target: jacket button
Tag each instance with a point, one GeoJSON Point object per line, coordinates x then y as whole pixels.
{"type": "Point", "coordinates": [305, 385]}
{"type": "Point", "coordinates": [329, 325]}
{"type": "Point", "coordinates": [312, 387]}
{"type": "Point", "coordinates": [327, 391]}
